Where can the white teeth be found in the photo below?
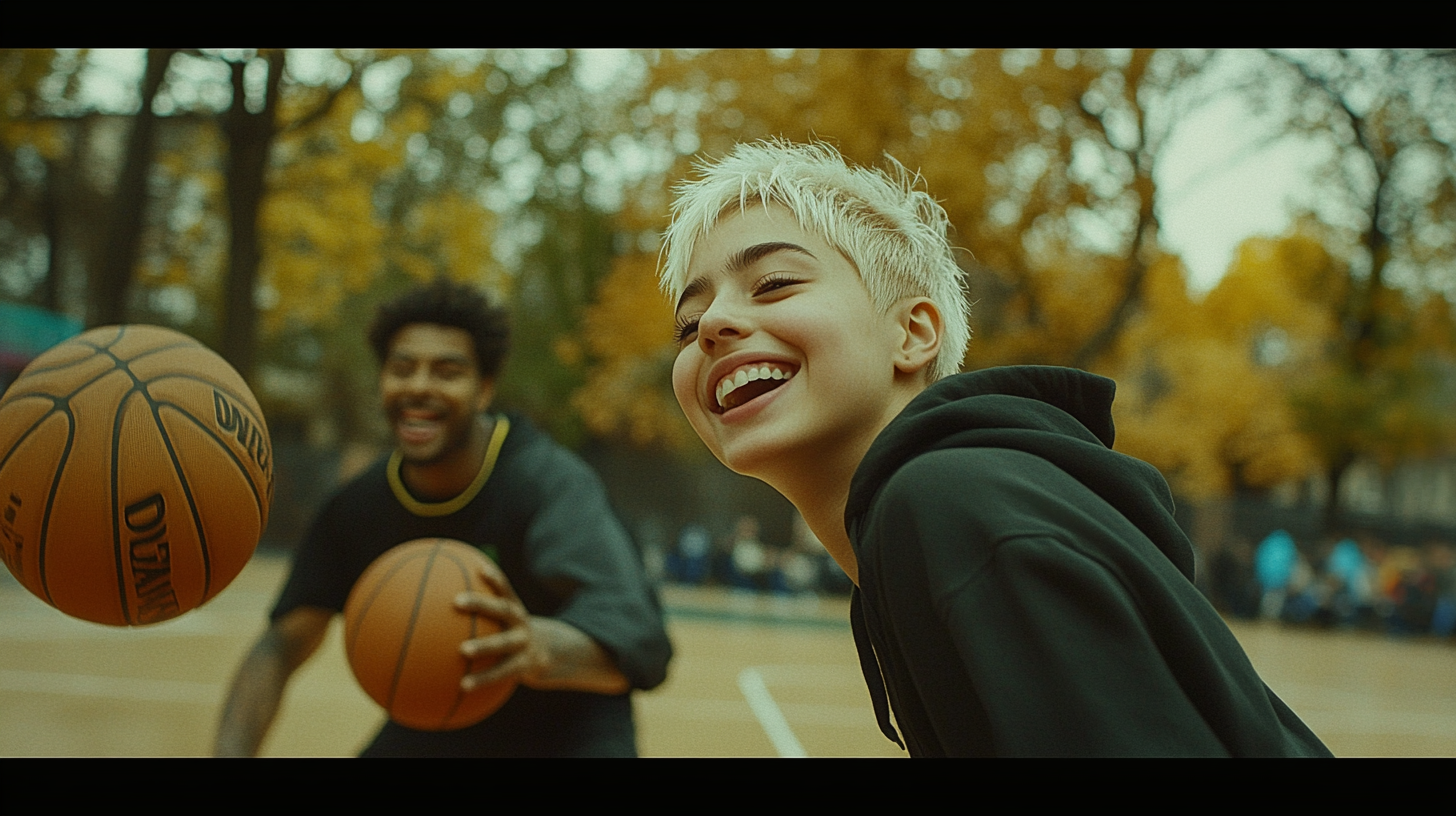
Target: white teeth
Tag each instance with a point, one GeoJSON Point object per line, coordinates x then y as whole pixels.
{"type": "Point", "coordinates": [748, 374]}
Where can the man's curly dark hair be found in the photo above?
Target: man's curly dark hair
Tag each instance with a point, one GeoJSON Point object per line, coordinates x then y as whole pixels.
{"type": "Point", "coordinates": [446, 303]}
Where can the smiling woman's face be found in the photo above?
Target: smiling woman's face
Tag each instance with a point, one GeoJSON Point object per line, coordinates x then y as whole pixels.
{"type": "Point", "coordinates": [785, 318]}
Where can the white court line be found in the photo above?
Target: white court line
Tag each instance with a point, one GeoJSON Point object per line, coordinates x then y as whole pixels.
{"type": "Point", "coordinates": [755, 691]}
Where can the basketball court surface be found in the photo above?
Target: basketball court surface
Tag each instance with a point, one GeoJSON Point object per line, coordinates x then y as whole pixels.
{"type": "Point", "coordinates": [754, 676]}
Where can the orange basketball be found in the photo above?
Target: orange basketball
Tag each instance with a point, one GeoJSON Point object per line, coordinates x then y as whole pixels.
{"type": "Point", "coordinates": [135, 475]}
{"type": "Point", "coordinates": [402, 634]}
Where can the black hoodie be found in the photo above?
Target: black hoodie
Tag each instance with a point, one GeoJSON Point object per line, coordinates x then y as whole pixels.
{"type": "Point", "coordinates": [1027, 592]}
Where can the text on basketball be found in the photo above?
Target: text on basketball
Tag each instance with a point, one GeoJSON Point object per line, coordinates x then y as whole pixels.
{"type": "Point", "coordinates": [151, 559]}
{"type": "Point", "coordinates": [233, 421]}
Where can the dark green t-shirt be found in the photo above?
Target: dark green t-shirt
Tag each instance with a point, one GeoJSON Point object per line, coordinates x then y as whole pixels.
{"type": "Point", "coordinates": [543, 516]}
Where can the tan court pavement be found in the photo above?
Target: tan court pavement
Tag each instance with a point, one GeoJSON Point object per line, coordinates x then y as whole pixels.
{"type": "Point", "coordinates": [754, 676]}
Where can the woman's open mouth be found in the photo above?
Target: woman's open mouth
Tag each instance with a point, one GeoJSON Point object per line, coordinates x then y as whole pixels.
{"type": "Point", "coordinates": [748, 382]}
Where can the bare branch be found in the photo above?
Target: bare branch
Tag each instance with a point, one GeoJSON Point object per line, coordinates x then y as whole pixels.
{"type": "Point", "coordinates": [323, 108]}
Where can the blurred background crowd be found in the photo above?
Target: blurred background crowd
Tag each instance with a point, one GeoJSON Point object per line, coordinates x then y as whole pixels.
{"type": "Point", "coordinates": [1298, 376]}
{"type": "Point", "coordinates": [1361, 582]}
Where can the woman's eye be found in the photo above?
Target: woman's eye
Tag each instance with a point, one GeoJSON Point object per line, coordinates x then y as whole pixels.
{"type": "Point", "coordinates": [685, 329]}
{"type": "Point", "coordinates": [774, 282]}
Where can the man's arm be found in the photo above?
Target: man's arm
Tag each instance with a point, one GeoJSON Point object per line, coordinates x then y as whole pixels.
{"type": "Point", "coordinates": [257, 689]}
{"type": "Point", "coordinates": [576, 546]}
{"type": "Point", "coordinates": [540, 652]}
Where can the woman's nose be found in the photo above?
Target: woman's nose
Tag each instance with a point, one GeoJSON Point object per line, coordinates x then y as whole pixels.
{"type": "Point", "coordinates": [721, 323]}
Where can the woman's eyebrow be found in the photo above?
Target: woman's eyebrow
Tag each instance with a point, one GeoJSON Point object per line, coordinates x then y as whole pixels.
{"type": "Point", "coordinates": [747, 256]}
{"type": "Point", "coordinates": [741, 260]}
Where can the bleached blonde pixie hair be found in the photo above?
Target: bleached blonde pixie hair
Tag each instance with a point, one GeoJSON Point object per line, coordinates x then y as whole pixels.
{"type": "Point", "coordinates": [894, 234]}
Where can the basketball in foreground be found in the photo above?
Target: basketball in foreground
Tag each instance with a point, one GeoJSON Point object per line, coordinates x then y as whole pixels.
{"type": "Point", "coordinates": [402, 635]}
{"type": "Point", "coordinates": [135, 475]}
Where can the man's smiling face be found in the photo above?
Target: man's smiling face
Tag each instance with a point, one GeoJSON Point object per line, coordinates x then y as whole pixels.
{"type": "Point", "coordinates": [783, 359]}
{"type": "Point", "coordinates": [432, 390]}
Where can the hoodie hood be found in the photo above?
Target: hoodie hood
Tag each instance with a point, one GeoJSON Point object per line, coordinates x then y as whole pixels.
{"type": "Point", "coordinates": [1059, 414]}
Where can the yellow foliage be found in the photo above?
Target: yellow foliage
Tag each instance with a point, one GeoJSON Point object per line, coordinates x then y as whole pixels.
{"type": "Point", "coordinates": [46, 138]}
{"type": "Point", "coordinates": [1291, 283]}
{"type": "Point", "coordinates": [1194, 401]}
{"type": "Point", "coordinates": [21, 72]}
{"type": "Point", "coordinates": [440, 85]}
{"type": "Point", "coordinates": [454, 231]}
{"type": "Point", "coordinates": [322, 238]}
{"type": "Point", "coordinates": [631, 316]}
{"type": "Point", "coordinates": [568, 350]}
{"type": "Point", "coordinates": [628, 335]}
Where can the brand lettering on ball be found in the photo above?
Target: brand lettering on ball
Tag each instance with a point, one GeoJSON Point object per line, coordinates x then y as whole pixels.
{"type": "Point", "coordinates": [151, 559]}
{"type": "Point", "coordinates": [232, 420]}
{"type": "Point", "coordinates": [14, 542]}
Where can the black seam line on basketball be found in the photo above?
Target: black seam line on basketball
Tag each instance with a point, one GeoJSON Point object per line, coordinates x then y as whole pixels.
{"type": "Point", "coordinates": [120, 365]}
{"type": "Point", "coordinates": [168, 347]}
{"type": "Point", "coordinates": [56, 403]}
{"type": "Point", "coordinates": [187, 491]}
{"type": "Point", "coordinates": [409, 631]}
{"type": "Point", "coordinates": [106, 350]}
{"type": "Point", "coordinates": [82, 387]}
{"type": "Point", "coordinates": [352, 636]}
{"type": "Point", "coordinates": [77, 340]}
{"type": "Point", "coordinates": [469, 664]}
{"type": "Point", "coordinates": [222, 443]}
{"type": "Point", "coordinates": [115, 514]}
{"type": "Point", "coordinates": [45, 516]}
{"type": "Point", "coordinates": [402, 561]}
{"type": "Point", "coordinates": [158, 350]}
{"type": "Point", "coordinates": [62, 366]}
{"type": "Point", "coordinates": [120, 333]}
{"type": "Point", "coordinates": [239, 399]}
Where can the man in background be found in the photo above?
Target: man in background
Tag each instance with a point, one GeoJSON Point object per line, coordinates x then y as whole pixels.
{"type": "Point", "coordinates": [581, 626]}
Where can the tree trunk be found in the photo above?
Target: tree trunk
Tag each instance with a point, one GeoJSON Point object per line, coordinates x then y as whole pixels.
{"type": "Point", "coordinates": [117, 257]}
{"type": "Point", "coordinates": [250, 139]}
{"type": "Point", "coordinates": [1132, 288]}
{"type": "Point", "coordinates": [1335, 476]}
{"type": "Point", "coordinates": [50, 203]}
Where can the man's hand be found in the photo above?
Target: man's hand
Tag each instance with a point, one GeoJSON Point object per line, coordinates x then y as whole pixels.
{"type": "Point", "coordinates": [519, 653]}
{"type": "Point", "coordinates": [542, 653]}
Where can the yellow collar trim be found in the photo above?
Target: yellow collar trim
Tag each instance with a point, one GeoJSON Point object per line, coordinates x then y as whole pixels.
{"type": "Point", "coordinates": [445, 508]}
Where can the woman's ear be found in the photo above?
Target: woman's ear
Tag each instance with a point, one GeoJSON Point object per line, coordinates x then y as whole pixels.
{"type": "Point", "coordinates": [920, 327]}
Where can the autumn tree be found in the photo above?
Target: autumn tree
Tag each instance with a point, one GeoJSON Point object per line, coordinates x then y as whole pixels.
{"type": "Point", "coordinates": [278, 190]}
{"type": "Point", "coordinates": [31, 149]}
{"type": "Point", "coordinates": [114, 266]}
{"type": "Point", "coordinates": [1390, 203]}
{"type": "Point", "coordinates": [1204, 385]}
{"type": "Point", "coordinates": [61, 192]}
{"type": "Point", "coordinates": [470, 165]}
